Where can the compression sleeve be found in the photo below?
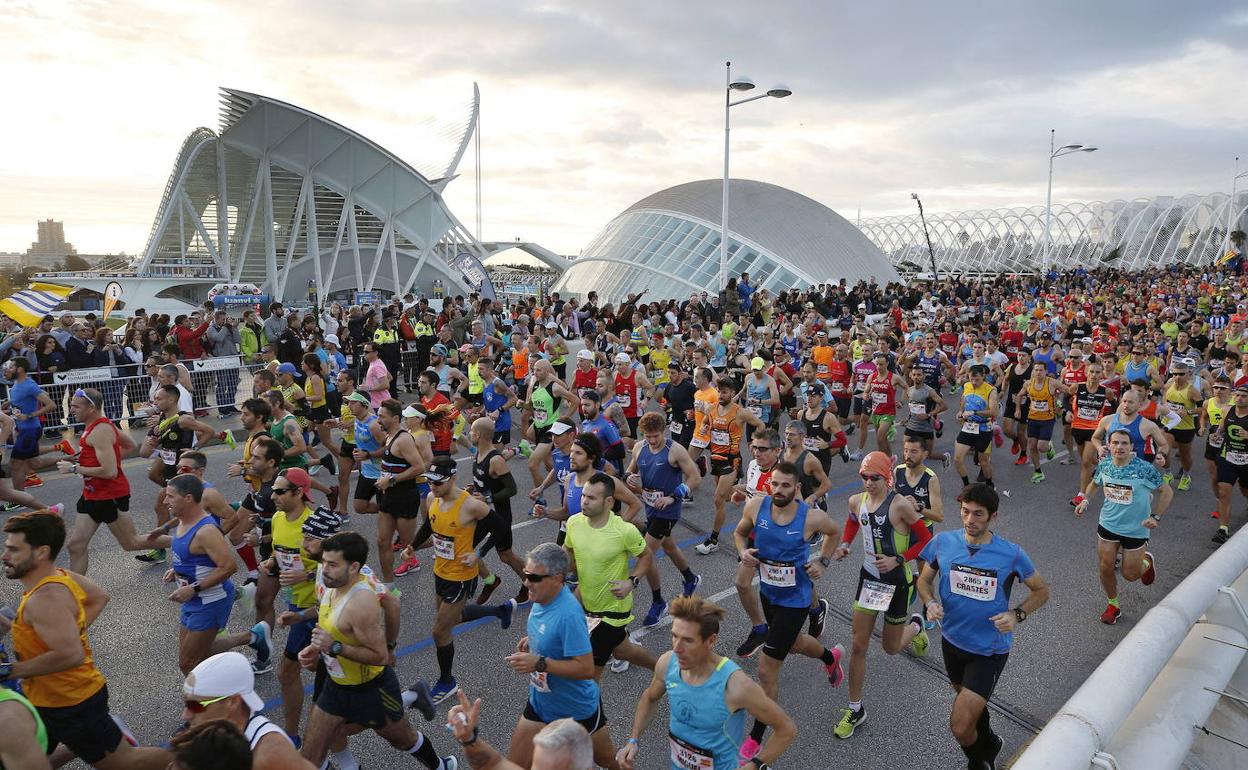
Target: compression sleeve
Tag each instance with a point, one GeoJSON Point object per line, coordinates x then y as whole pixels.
{"type": "Point", "coordinates": [851, 529]}
{"type": "Point", "coordinates": [422, 534]}
{"type": "Point", "coordinates": [839, 440]}
{"type": "Point", "coordinates": [508, 490]}
{"type": "Point", "coordinates": [921, 535]}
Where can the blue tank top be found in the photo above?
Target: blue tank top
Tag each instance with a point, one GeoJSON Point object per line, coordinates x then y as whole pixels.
{"type": "Point", "coordinates": [572, 495]}
{"type": "Point", "coordinates": [1136, 371]}
{"type": "Point", "coordinates": [190, 567]}
{"type": "Point", "coordinates": [1133, 429]}
{"type": "Point", "coordinates": [699, 721]}
{"type": "Point", "coordinates": [366, 442]}
{"type": "Point", "coordinates": [1045, 358]}
{"type": "Point", "coordinates": [931, 369]}
{"type": "Point", "coordinates": [494, 401]}
{"type": "Point", "coordinates": [757, 394]}
{"type": "Point", "coordinates": [659, 478]}
{"type": "Point", "coordinates": [782, 549]}
{"type": "Point", "coordinates": [563, 468]}
{"type": "Point", "coordinates": [791, 346]}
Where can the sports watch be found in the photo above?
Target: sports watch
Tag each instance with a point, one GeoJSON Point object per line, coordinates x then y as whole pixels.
{"type": "Point", "coordinates": [335, 649]}
{"type": "Point", "coordinates": [1020, 614]}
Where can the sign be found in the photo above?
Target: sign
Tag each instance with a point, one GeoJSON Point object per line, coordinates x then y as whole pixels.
{"type": "Point", "coordinates": [112, 295]}
{"type": "Point", "coordinates": [368, 298]}
{"type": "Point", "coordinates": [216, 364]}
{"type": "Point", "coordinates": [83, 376]}
{"type": "Point", "coordinates": [238, 300]}
{"type": "Point", "coordinates": [235, 289]}
{"type": "Point", "coordinates": [474, 273]}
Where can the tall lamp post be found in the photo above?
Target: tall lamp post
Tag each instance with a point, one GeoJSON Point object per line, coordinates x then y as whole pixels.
{"type": "Point", "coordinates": [1230, 208]}
{"type": "Point", "coordinates": [930, 251]}
{"type": "Point", "coordinates": [739, 83]}
{"type": "Point", "coordinates": [1054, 153]}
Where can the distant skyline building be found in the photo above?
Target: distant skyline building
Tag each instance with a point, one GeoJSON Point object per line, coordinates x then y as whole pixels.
{"type": "Point", "coordinates": [50, 250]}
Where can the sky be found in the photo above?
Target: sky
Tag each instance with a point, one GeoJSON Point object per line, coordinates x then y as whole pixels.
{"type": "Point", "coordinates": [587, 107]}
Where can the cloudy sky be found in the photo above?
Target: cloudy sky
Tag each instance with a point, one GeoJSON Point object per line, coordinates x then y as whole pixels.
{"type": "Point", "coordinates": [588, 106]}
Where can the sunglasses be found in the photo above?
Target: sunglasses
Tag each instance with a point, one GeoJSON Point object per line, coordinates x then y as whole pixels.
{"type": "Point", "coordinates": [283, 490]}
{"type": "Point", "coordinates": [870, 477]}
{"type": "Point", "coordinates": [530, 577]}
{"type": "Point", "coordinates": [433, 480]}
{"type": "Point", "coordinates": [762, 448]}
{"type": "Point", "coordinates": [199, 706]}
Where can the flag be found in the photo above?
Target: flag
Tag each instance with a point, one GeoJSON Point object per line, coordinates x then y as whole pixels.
{"type": "Point", "coordinates": [1227, 257]}
{"type": "Point", "coordinates": [29, 306]}
{"type": "Point", "coordinates": [112, 294]}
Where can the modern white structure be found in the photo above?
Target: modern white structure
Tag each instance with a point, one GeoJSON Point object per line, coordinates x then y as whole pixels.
{"type": "Point", "coordinates": [289, 200]}
{"type": "Point", "coordinates": [668, 244]}
{"type": "Point", "coordinates": [1132, 235]}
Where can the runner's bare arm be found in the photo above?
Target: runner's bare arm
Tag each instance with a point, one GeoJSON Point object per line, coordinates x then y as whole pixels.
{"type": "Point", "coordinates": [741, 533]}
{"type": "Point", "coordinates": [211, 542]}
{"type": "Point", "coordinates": [743, 692]}
{"type": "Point", "coordinates": [18, 746]}
{"type": "Point", "coordinates": [631, 503]}
{"type": "Point", "coordinates": [51, 611]}
{"type": "Point", "coordinates": [650, 698]}
{"type": "Point", "coordinates": [96, 598]}
{"type": "Point", "coordinates": [686, 464]}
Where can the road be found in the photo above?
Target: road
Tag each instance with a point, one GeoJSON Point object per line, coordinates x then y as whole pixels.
{"type": "Point", "coordinates": [907, 698]}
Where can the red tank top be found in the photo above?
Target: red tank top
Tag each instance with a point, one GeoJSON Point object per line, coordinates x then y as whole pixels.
{"type": "Point", "coordinates": [93, 487]}
{"type": "Point", "coordinates": [584, 380]}
{"type": "Point", "coordinates": [883, 394]}
{"type": "Point", "coordinates": [1073, 376]}
{"type": "Point", "coordinates": [626, 393]}
{"type": "Point", "coordinates": [839, 377]}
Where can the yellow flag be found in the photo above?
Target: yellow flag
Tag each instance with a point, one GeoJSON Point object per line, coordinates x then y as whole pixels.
{"type": "Point", "coordinates": [29, 306]}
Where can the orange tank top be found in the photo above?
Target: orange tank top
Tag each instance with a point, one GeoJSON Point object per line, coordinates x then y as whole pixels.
{"type": "Point", "coordinates": [725, 432]}
{"type": "Point", "coordinates": [520, 363]}
{"type": "Point", "coordinates": [63, 688]}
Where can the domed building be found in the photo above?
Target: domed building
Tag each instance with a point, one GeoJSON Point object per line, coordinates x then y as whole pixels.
{"type": "Point", "coordinates": [668, 244]}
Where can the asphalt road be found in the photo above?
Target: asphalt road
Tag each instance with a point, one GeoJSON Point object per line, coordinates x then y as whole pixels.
{"type": "Point", "coordinates": [907, 699]}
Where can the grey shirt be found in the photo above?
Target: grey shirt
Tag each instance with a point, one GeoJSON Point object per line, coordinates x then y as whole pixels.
{"type": "Point", "coordinates": [223, 339]}
{"type": "Point", "coordinates": [919, 403]}
{"type": "Point", "coordinates": [273, 327]}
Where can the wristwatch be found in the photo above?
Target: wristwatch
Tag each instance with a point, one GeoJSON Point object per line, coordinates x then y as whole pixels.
{"type": "Point", "coordinates": [1020, 614]}
{"type": "Point", "coordinates": [1154, 517]}
{"type": "Point", "coordinates": [541, 664]}
{"type": "Point", "coordinates": [635, 579]}
{"type": "Point", "coordinates": [825, 561]}
{"type": "Point", "coordinates": [335, 649]}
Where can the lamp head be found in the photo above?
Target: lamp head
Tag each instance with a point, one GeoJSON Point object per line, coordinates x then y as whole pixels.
{"type": "Point", "coordinates": [779, 91]}
{"type": "Point", "coordinates": [741, 83]}
{"type": "Point", "coordinates": [1070, 147]}
{"type": "Point", "coordinates": [914, 196]}
{"type": "Point", "coordinates": [1088, 149]}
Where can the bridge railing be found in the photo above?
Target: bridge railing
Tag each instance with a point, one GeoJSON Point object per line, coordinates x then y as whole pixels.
{"type": "Point", "coordinates": [1150, 699]}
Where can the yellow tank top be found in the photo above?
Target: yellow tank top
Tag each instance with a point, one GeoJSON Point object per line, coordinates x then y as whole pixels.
{"type": "Point", "coordinates": [342, 670]}
{"type": "Point", "coordinates": [63, 688]}
{"type": "Point", "coordinates": [1182, 398]}
{"type": "Point", "coordinates": [289, 552]}
{"type": "Point", "coordinates": [1040, 401]}
{"type": "Point", "coordinates": [315, 402]}
{"type": "Point", "coordinates": [451, 540]}
{"type": "Point", "coordinates": [346, 421]}
{"type": "Point", "coordinates": [659, 360]}
{"type": "Point", "coordinates": [1216, 411]}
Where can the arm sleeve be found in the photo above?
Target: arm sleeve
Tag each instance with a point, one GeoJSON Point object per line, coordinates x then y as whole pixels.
{"type": "Point", "coordinates": [921, 536]}
{"type": "Point", "coordinates": [851, 530]}
{"type": "Point", "coordinates": [839, 440]}
{"type": "Point", "coordinates": [422, 534]}
{"type": "Point", "coordinates": [509, 489]}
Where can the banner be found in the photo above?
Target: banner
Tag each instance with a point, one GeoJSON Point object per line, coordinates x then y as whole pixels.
{"type": "Point", "coordinates": [474, 273]}
{"type": "Point", "coordinates": [372, 298]}
{"type": "Point", "coordinates": [216, 364]}
{"type": "Point", "coordinates": [29, 306]}
{"type": "Point", "coordinates": [238, 300]}
{"type": "Point", "coordinates": [112, 295]}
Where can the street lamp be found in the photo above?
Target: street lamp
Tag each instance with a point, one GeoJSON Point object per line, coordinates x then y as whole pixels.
{"type": "Point", "coordinates": [1056, 152]}
{"type": "Point", "coordinates": [1230, 213]}
{"type": "Point", "coordinates": [739, 83]}
{"type": "Point", "coordinates": [930, 251]}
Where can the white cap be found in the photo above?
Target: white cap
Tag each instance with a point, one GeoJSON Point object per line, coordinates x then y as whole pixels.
{"type": "Point", "coordinates": [558, 428]}
{"type": "Point", "coordinates": [332, 339]}
{"type": "Point", "coordinates": [552, 325]}
{"type": "Point", "coordinates": [411, 410]}
{"type": "Point", "coordinates": [622, 358]}
{"type": "Point", "coordinates": [585, 355]}
{"type": "Point", "coordinates": [224, 674]}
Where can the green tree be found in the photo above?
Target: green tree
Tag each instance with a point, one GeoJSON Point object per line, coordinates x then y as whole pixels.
{"type": "Point", "coordinates": [75, 263]}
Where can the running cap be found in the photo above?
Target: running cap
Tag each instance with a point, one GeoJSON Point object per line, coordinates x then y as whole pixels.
{"type": "Point", "coordinates": [439, 350]}
{"type": "Point", "coordinates": [442, 469]}
{"type": "Point", "coordinates": [1182, 363]}
{"type": "Point", "coordinates": [585, 355]}
{"type": "Point", "coordinates": [223, 675]}
{"type": "Point", "coordinates": [622, 358]}
{"type": "Point", "coordinates": [287, 368]}
{"type": "Point", "coordinates": [322, 523]}
{"type": "Point", "coordinates": [300, 478]}
{"type": "Point", "coordinates": [411, 410]}
{"type": "Point", "coordinates": [358, 396]}
{"type": "Point", "coordinates": [552, 325]}
{"type": "Point", "coordinates": [757, 363]}
{"type": "Point", "coordinates": [331, 339]}
{"type": "Point", "coordinates": [559, 427]}
{"type": "Point", "coordinates": [1242, 384]}
{"type": "Point", "coordinates": [878, 463]}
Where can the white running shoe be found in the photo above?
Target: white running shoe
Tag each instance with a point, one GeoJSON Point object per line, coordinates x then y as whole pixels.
{"type": "Point", "coordinates": [617, 666]}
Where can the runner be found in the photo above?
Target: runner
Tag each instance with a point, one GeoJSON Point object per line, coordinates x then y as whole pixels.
{"type": "Point", "coordinates": [704, 400]}
{"type": "Point", "coordinates": [923, 407]}
{"type": "Point", "coordinates": [632, 388]}
{"type": "Point", "coordinates": [724, 421]}
{"type": "Point", "coordinates": [493, 483]}
{"type": "Point", "coordinates": [882, 387]}
{"type": "Point", "coordinates": [498, 400]}
{"type": "Point", "coordinates": [1233, 462]}
{"type": "Point", "coordinates": [760, 394]}
{"type": "Point", "coordinates": [368, 439]}
{"type": "Point", "coordinates": [595, 422]}
{"type": "Point", "coordinates": [600, 544]}
{"type": "Point", "coordinates": [664, 475]}
{"type": "Point", "coordinates": [913, 479]}
{"type": "Point", "coordinates": [782, 525]}
{"type": "Point", "coordinates": [1089, 402]}
{"type": "Point", "coordinates": [548, 399]}
{"type": "Point", "coordinates": [680, 393]}
{"type": "Point", "coordinates": [1038, 400]}
{"type": "Point", "coordinates": [892, 535]}
{"type": "Point", "coordinates": [450, 527]}
{"type": "Point", "coordinates": [709, 698]}
{"type": "Point", "coordinates": [62, 682]}
{"type": "Point", "coordinates": [1211, 416]}
{"type": "Point", "coordinates": [813, 479]}
{"type": "Point", "coordinates": [557, 656]}
{"type": "Point", "coordinates": [824, 432]}
{"type": "Point", "coordinates": [1015, 380]}
{"type": "Point", "coordinates": [976, 570]}
{"type": "Point", "coordinates": [1185, 401]}
{"type": "Point", "coordinates": [23, 738]}
{"type": "Point", "coordinates": [398, 502]}
{"type": "Point", "coordinates": [345, 422]}
{"type": "Point", "coordinates": [978, 410]}
{"type": "Point", "coordinates": [27, 404]}
{"type": "Point", "coordinates": [1130, 513]}
{"type": "Point", "coordinates": [361, 688]}
{"type": "Point", "coordinates": [223, 688]}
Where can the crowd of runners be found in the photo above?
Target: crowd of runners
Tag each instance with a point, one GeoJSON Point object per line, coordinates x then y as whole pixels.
{"type": "Point", "coordinates": [621, 417]}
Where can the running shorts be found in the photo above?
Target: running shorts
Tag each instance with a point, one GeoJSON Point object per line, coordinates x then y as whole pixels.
{"type": "Point", "coordinates": [977, 673]}
{"type": "Point", "coordinates": [373, 704]}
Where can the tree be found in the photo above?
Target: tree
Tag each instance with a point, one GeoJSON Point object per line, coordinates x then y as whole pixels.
{"type": "Point", "coordinates": [76, 264]}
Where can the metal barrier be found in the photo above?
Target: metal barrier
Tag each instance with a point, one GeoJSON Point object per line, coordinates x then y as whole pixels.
{"type": "Point", "coordinates": [1144, 706]}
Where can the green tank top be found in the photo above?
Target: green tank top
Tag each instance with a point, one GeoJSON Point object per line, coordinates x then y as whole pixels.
{"type": "Point", "coordinates": [41, 732]}
{"type": "Point", "coordinates": [278, 432]}
{"type": "Point", "coordinates": [544, 412]}
{"type": "Point", "coordinates": [476, 383]}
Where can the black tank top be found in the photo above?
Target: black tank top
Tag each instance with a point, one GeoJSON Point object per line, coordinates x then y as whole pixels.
{"type": "Point", "coordinates": [394, 464]}
{"type": "Point", "coordinates": [815, 429]}
{"type": "Point", "coordinates": [174, 440]}
{"type": "Point", "coordinates": [483, 482]}
{"type": "Point", "coordinates": [1015, 381]}
{"type": "Point", "coordinates": [919, 490]}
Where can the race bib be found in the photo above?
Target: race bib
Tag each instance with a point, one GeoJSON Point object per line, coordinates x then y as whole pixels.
{"type": "Point", "coordinates": [624, 399]}
{"type": "Point", "coordinates": [537, 679]}
{"type": "Point", "coordinates": [651, 497]}
{"type": "Point", "coordinates": [781, 574]}
{"type": "Point", "coordinates": [970, 427]}
{"type": "Point", "coordinates": [168, 456]}
{"type": "Point", "coordinates": [592, 622]}
{"type": "Point", "coordinates": [876, 595]}
{"type": "Point", "coordinates": [1237, 458]}
{"type": "Point", "coordinates": [539, 415]}
{"type": "Point", "coordinates": [1040, 405]}
{"type": "Point", "coordinates": [719, 437]}
{"type": "Point", "coordinates": [1215, 440]}
{"type": "Point", "coordinates": [1088, 413]}
{"type": "Point", "coordinates": [1121, 494]}
{"type": "Point", "coordinates": [810, 443]}
{"type": "Point", "coordinates": [443, 547]}
{"type": "Point", "coordinates": [333, 666]}
{"type": "Point", "coordinates": [838, 387]}
{"type": "Point", "coordinates": [686, 756]}
{"type": "Point", "coordinates": [285, 560]}
{"type": "Point", "coordinates": [918, 409]}
{"type": "Point", "coordinates": [1171, 419]}
{"type": "Point", "coordinates": [879, 398]}
{"type": "Point", "coordinates": [676, 428]}
{"type": "Point", "coordinates": [972, 583]}
{"type": "Point", "coordinates": [757, 411]}
{"type": "Point", "coordinates": [823, 369]}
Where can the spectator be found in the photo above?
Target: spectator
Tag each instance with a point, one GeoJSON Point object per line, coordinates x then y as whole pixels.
{"type": "Point", "coordinates": [251, 337]}
{"type": "Point", "coordinates": [275, 324]}
{"type": "Point", "coordinates": [79, 348]}
{"type": "Point", "coordinates": [63, 332]}
{"type": "Point", "coordinates": [223, 336]}
{"type": "Point", "coordinates": [288, 344]}
{"type": "Point", "coordinates": [188, 331]}
{"type": "Point", "coordinates": [108, 353]}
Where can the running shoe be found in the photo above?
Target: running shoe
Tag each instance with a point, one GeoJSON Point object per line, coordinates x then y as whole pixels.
{"type": "Point", "coordinates": [10, 507]}
{"type": "Point", "coordinates": [892, 432]}
{"type": "Point", "coordinates": [228, 437]}
{"type": "Point", "coordinates": [1022, 459]}
{"type": "Point", "coordinates": [1037, 477]}
{"type": "Point", "coordinates": [850, 720]}
{"type": "Point", "coordinates": [443, 690]}
{"type": "Point", "coordinates": [855, 456]}
{"type": "Point", "coordinates": [817, 617]}
{"type": "Point", "coordinates": [992, 748]}
{"type": "Point", "coordinates": [525, 448]}
{"type": "Point", "coordinates": [1016, 447]}
{"type": "Point", "coordinates": [418, 697]}
{"type": "Point", "coordinates": [33, 480]}
{"type": "Point", "coordinates": [262, 666]}
{"type": "Point", "coordinates": [314, 469]}
{"type": "Point", "coordinates": [1050, 453]}
{"type": "Point", "coordinates": [1213, 514]}
{"type": "Point", "coordinates": [920, 642]}
{"type": "Point", "coordinates": [656, 611]}
{"type": "Point", "coordinates": [752, 644]}
{"type": "Point", "coordinates": [689, 587]}
{"type": "Point", "coordinates": [1185, 482]}
{"type": "Point", "coordinates": [1167, 478]}
{"type": "Point", "coordinates": [65, 447]}
{"type": "Point", "coordinates": [939, 425]}
{"type": "Point", "coordinates": [409, 565]}
{"type": "Point", "coordinates": [332, 498]}
{"type": "Point", "coordinates": [57, 508]}
{"type": "Point", "coordinates": [1068, 459]}
{"type": "Point", "coordinates": [998, 438]}
{"type": "Point", "coordinates": [707, 546]}
{"type": "Point", "coordinates": [849, 429]}
{"type": "Point", "coordinates": [1149, 575]}
{"type": "Point", "coordinates": [844, 455]}
{"type": "Point", "coordinates": [617, 666]}
{"type": "Point", "coordinates": [153, 556]}
{"type": "Point", "coordinates": [1110, 615]}
{"type": "Point", "coordinates": [1223, 534]}
{"type": "Point", "coordinates": [262, 643]}
{"type": "Point", "coordinates": [1074, 501]}
{"type": "Point", "coordinates": [450, 763]}
{"type": "Point", "coordinates": [522, 596]}
{"type": "Point", "coordinates": [944, 459]}
{"type": "Point", "coordinates": [836, 674]}
{"type": "Point", "coordinates": [487, 590]}
{"type": "Point", "coordinates": [749, 750]}
{"type": "Point", "coordinates": [509, 612]}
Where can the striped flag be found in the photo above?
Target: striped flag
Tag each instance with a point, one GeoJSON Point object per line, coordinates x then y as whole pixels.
{"type": "Point", "coordinates": [29, 306]}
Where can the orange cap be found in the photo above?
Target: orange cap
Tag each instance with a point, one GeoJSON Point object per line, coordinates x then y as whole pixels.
{"type": "Point", "coordinates": [878, 463]}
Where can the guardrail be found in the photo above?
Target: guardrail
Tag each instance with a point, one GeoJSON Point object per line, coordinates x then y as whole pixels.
{"type": "Point", "coordinates": [1150, 699]}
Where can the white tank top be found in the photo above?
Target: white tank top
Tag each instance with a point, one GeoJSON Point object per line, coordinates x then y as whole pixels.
{"type": "Point", "coordinates": [258, 727]}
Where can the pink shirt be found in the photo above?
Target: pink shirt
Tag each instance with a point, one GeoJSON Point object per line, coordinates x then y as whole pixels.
{"type": "Point", "coordinates": [376, 371]}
